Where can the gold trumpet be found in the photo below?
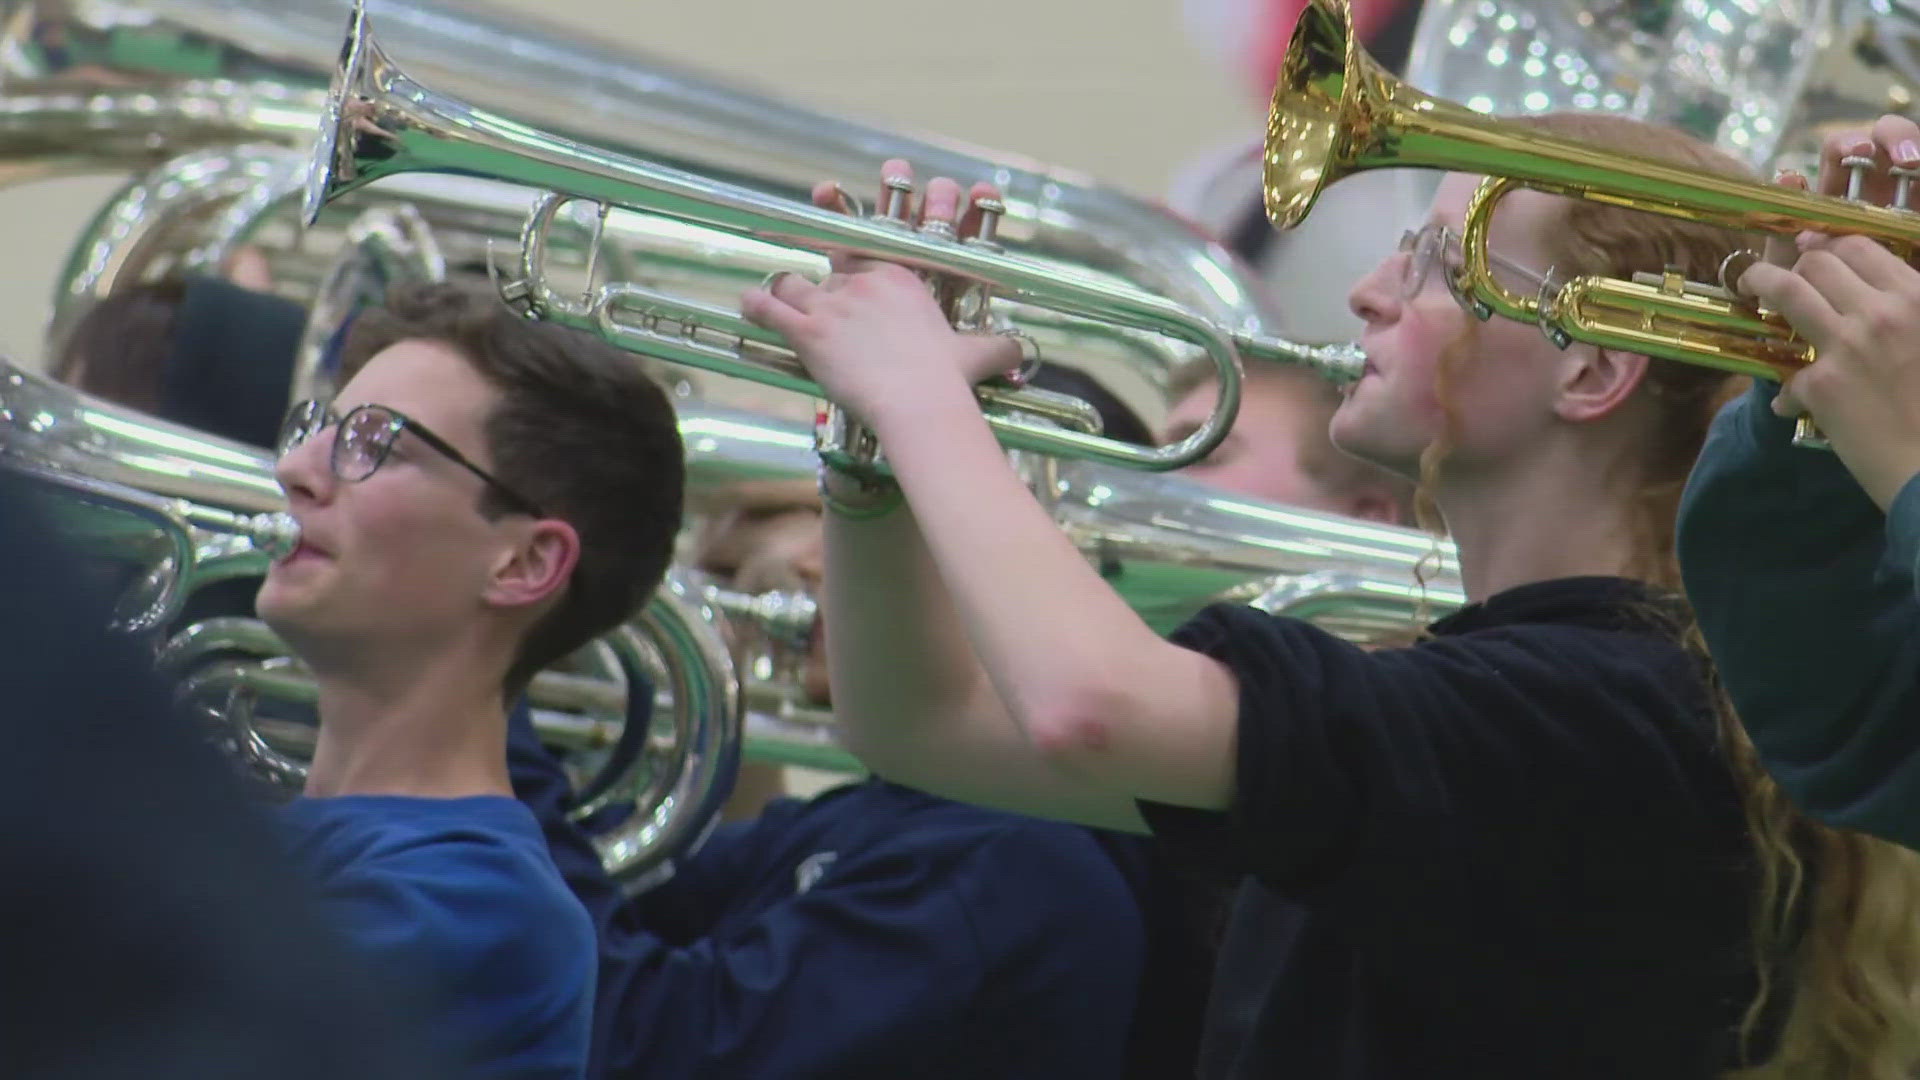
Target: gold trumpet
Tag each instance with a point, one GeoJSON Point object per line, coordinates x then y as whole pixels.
{"type": "Point", "coordinates": [1336, 112]}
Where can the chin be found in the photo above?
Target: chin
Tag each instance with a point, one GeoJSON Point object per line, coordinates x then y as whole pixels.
{"type": "Point", "coordinates": [1354, 430]}
{"type": "Point", "coordinates": [1376, 441]}
{"type": "Point", "coordinates": [280, 605]}
{"type": "Point", "coordinates": [270, 601]}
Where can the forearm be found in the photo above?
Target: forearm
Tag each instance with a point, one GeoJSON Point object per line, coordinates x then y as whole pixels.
{"type": "Point", "coordinates": [907, 687]}
{"type": "Point", "coordinates": [1095, 691]}
{"type": "Point", "coordinates": [910, 693]}
{"type": "Point", "coordinates": [1099, 697]}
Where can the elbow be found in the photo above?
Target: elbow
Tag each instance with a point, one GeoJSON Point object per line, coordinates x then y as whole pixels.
{"type": "Point", "coordinates": [1076, 726]}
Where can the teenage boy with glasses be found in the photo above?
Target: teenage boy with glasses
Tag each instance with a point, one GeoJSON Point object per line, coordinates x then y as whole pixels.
{"type": "Point", "coordinates": [484, 496]}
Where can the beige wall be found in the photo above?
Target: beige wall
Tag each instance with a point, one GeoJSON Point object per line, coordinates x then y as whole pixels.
{"type": "Point", "coordinates": [1115, 90]}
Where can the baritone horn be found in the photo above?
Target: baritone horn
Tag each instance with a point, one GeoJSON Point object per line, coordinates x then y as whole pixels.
{"type": "Point", "coordinates": [381, 123]}
{"type": "Point", "coordinates": [164, 512]}
{"type": "Point", "coordinates": [1336, 112]}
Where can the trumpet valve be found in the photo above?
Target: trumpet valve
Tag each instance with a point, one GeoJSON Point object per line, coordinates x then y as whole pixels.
{"type": "Point", "coordinates": [989, 210]}
{"type": "Point", "coordinates": [1903, 177]}
{"type": "Point", "coordinates": [1733, 267]}
{"type": "Point", "coordinates": [896, 200]}
{"type": "Point", "coordinates": [1857, 166]}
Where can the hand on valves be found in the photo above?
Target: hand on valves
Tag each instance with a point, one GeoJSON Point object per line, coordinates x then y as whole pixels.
{"type": "Point", "coordinates": [1858, 303]}
{"type": "Point", "coordinates": [873, 334]}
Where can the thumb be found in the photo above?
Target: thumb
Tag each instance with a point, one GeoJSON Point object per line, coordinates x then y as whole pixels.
{"type": "Point", "coordinates": [1787, 403]}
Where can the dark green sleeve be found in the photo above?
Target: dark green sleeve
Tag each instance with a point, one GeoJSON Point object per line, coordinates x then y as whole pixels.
{"type": "Point", "coordinates": [1903, 531]}
{"type": "Point", "coordinates": [1811, 615]}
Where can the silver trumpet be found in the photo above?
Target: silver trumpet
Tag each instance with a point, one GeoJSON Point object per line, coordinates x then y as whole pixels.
{"type": "Point", "coordinates": [190, 213]}
{"type": "Point", "coordinates": [383, 123]}
{"type": "Point", "coordinates": [181, 510]}
{"type": "Point", "coordinates": [151, 63]}
{"type": "Point", "coordinates": [194, 207]}
{"type": "Point", "coordinates": [185, 213]}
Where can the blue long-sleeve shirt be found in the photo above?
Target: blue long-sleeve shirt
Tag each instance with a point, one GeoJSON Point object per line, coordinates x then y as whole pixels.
{"type": "Point", "coordinates": [871, 931]}
{"type": "Point", "coordinates": [1805, 593]}
{"type": "Point", "coordinates": [458, 900]}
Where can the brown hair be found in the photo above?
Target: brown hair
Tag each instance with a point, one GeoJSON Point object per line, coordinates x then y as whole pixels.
{"type": "Point", "coordinates": [1835, 929]}
{"type": "Point", "coordinates": [118, 349]}
{"type": "Point", "coordinates": [578, 428]}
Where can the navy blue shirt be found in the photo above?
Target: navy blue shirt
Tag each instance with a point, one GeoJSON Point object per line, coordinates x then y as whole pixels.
{"type": "Point", "coordinates": [1513, 850]}
{"type": "Point", "coordinates": [872, 931]}
{"type": "Point", "coordinates": [459, 899]}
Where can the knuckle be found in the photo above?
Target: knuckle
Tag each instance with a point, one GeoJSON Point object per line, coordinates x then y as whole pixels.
{"type": "Point", "coordinates": [1813, 261]}
{"type": "Point", "coordinates": [1884, 318]}
{"type": "Point", "coordinates": [1855, 337]}
{"type": "Point", "coordinates": [1852, 245]}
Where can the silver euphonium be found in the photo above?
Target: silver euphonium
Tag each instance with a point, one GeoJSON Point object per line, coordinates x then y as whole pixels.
{"type": "Point", "coordinates": [247, 686]}
{"type": "Point", "coordinates": [180, 510]}
{"type": "Point", "coordinates": [176, 508]}
{"type": "Point", "coordinates": [188, 212]}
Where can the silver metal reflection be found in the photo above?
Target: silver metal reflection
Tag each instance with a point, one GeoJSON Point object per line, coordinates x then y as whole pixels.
{"type": "Point", "coordinates": [1730, 72]}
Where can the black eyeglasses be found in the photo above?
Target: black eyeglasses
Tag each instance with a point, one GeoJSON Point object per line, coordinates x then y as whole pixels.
{"type": "Point", "coordinates": [366, 438]}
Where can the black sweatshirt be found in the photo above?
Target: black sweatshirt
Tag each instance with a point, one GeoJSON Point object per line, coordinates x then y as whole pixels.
{"type": "Point", "coordinates": [1512, 850]}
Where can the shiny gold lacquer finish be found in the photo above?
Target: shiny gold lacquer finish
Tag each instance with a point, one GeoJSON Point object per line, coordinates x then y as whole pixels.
{"type": "Point", "coordinates": [1336, 112]}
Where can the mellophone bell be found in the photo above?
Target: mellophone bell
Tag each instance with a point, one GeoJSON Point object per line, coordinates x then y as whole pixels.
{"type": "Point", "coordinates": [523, 815]}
